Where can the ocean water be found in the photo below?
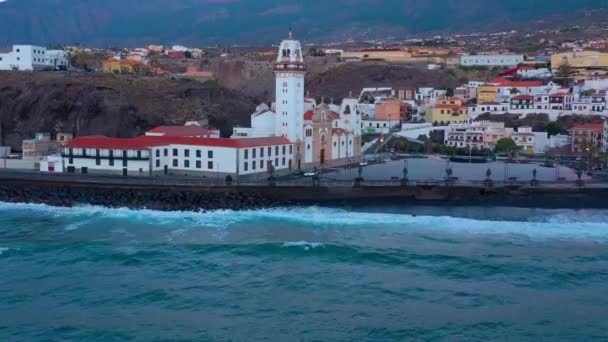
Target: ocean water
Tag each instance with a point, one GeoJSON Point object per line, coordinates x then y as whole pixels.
{"type": "Point", "coordinates": [303, 274]}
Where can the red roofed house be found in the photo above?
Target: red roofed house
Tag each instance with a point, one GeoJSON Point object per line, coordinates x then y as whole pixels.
{"type": "Point", "coordinates": [211, 158]}
{"type": "Point", "coordinates": [587, 136]}
{"type": "Point", "coordinates": [448, 110]}
{"type": "Point", "coordinates": [522, 102]}
{"type": "Point", "coordinates": [561, 101]}
{"type": "Point", "coordinates": [183, 131]}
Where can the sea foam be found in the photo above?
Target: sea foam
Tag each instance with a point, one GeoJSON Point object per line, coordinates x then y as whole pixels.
{"type": "Point", "coordinates": [558, 224]}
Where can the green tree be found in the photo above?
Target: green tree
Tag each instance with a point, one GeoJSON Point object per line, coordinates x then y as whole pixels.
{"type": "Point", "coordinates": [553, 128]}
{"type": "Point", "coordinates": [506, 145]}
{"type": "Point", "coordinates": [565, 73]}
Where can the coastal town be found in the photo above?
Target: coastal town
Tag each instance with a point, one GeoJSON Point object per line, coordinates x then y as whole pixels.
{"type": "Point", "coordinates": [536, 107]}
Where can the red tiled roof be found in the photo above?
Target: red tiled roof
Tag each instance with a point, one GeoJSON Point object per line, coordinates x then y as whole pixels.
{"type": "Point", "coordinates": [562, 94]}
{"type": "Point", "coordinates": [308, 115]}
{"type": "Point", "coordinates": [145, 142]}
{"type": "Point", "coordinates": [523, 97]}
{"type": "Point", "coordinates": [449, 106]}
{"type": "Point", "coordinates": [594, 127]}
{"type": "Point", "coordinates": [507, 83]}
{"type": "Point", "coordinates": [181, 131]}
{"type": "Point", "coordinates": [339, 131]}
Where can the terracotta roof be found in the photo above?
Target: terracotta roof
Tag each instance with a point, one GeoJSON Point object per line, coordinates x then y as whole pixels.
{"type": "Point", "coordinates": [594, 127]}
{"type": "Point", "coordinates": [308, 115]}
{"type": "Point", "coordinates": [562, 94]}
{"type": "Point", "coordinates": [181, 131]}
{"type": "Point", "coordinates": [339, 131]}
{"type": "Point", "coordinates": [507, 83]}
{"type": "Point", "coordinates": [145, 142]}
{"type": "Point", "coordinates": [448, 106]}
{"type": "Point", "coordinates": [523, 97]}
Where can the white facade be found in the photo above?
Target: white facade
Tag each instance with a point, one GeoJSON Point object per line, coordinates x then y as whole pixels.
{"type": "Point", "coordinates": [191, 156]}
{"type": "Point", "coordinates": [53, 164]}
{"type": "Point", "coordinates": [289, 72]}
{"type": "Point", "coordinates": [57, 59]}
{"type": "Point", "coordinates": [491, 60]}
{"type": "Point", "coordinates": [378, 126]}
{"type": "Point", "coordinates": [24, 58]}
{"type": "Point", "coordinates": [559, 140]}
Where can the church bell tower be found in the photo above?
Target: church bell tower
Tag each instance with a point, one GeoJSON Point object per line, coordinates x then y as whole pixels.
{"type": "Point", "coordinates": [289, 72]}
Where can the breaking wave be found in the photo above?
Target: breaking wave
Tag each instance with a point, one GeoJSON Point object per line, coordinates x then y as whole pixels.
{"type": "Point", "coordinates": [537, 223]}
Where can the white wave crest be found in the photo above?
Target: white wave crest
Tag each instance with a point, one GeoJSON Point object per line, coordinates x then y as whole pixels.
{"type": "Point", "coordinates": [303, 244]}
{"type": "Point", "coordinates": [4, 249]}
{"type": "Point", "coordinates": [566, 224]}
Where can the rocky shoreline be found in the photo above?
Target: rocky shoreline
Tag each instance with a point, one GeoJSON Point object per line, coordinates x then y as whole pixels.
{"type": "Point", "coordinates": [63, 193]}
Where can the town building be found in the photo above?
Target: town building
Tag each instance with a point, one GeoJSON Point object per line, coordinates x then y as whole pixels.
{"type": "Point", "coordinates": [170, 155]}
{"type": "Point", "coordinates": [42, 145]}
{"type": "Point", "coordinates": [522, 102]}
{"type": "Point", "coordinates": [587, 137]}
{"type": "Point", "coordinates": [475, 134]}
{"type": "Point", "coordinates": [448, 110]}
{"type": "Point", "coordinates": [31, 57]}
{"type": "Point", "coordinates": [491, 60]}
{"type": "Point", "coordinates": [529, 141]}
{"type": "Point", "coordinates": [581, 60]}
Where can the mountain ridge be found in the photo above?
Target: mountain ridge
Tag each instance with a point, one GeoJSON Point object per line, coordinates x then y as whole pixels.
{"type": "Point", "coordinates": [132, 22]}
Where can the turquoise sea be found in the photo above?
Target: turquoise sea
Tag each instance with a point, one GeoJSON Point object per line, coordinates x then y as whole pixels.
{"type": "Point", "coordinates": [381, 273]}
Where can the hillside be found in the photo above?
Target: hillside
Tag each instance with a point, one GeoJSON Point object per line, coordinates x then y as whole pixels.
{"type": "Point", "coordinates": [133, 22]}
{"type": "Point", "coordinates": [87, 104]}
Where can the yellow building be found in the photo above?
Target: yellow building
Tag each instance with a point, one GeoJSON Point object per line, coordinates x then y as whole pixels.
{"type": "Point", "coordinates": [120, 66]}
{"type": "Point", "coordinates": [487, 94]}
{"type": "Point", "coordinates": [581, 60]}
{"type": "Point", "coordinates": [448, 110]}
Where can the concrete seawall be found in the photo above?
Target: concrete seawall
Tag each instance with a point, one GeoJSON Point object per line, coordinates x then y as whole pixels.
{"type": "Point", "coordinates": [206, 197]}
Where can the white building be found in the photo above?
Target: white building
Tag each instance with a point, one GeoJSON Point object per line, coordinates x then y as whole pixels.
{"type": "Point", "coordinates": [491, 60]}
{"type": "Point", "coordinates": [378, 126]}
{"type": "Point", "coordinates": [560, 140]}
{"type": "Point", "coordinates": [52, 163]}
{"type": "Point", "coordinates": [30, 57]}
{"type": "Point", "coordinates": [24, 58]}
{"type": "Point", "coordinates": [150, 155]}
{"type": "Point", "coordinates": [531, 142]}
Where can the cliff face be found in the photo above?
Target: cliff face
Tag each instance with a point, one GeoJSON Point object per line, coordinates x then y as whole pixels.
{"type": "Point", "coordinates": [87, 104]}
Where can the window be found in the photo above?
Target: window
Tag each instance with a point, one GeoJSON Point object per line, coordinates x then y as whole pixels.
{"type": "Point", "coordinates": [283, 161]}
{"type": "Point", "coordinates": [210, 154]}
{"type": "Point", "coordinates": [198, 164]}
{"type": "Point", "coordinates": [198, 154]}
{"type": "Point", "coordinates": [276, 162]}
{"type": "Point", "coordinates": [246, 154]}
{"type": "Point", "coordinates": [270, 151]}
{"type": "Point", "coordinates": [175, 152]}
{"type": "Point", "coordinates": [253, 152]}
{"type": "Point", "coordinates": [290, 149]}
{"type": "Point", "coordinates": [284, 149]}
{"type": "Point", "coordinates": [186, 153]}
{"type": "Point", "coordinates": [246, 166]}
{"type": "Point", "coordinates": [166, 153]}
{"type": "Point", "coordinates": [253, 165]}
{"type": "Point", "coordinates": [174, 162]}
{"type": "Point", "coordinates": [158, 163]}
{"type": "Point", "coordinates": [157, 153]}
{"type": "Point", "coordinates": [210, 165]}
{"type": "Point", "coordinates": [276, 150]}
{"type": "Point", "coordinates": [187, 163]}
{"type": "Point", "coordinates": [261, 152]}
{"type": "Point", "coordinates": [111, 162]}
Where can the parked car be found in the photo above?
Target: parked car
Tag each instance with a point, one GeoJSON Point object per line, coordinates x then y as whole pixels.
{"type": "Point", "coordinates": [311, 173]}
{"type": "Point", "coordinates": [363, 163]}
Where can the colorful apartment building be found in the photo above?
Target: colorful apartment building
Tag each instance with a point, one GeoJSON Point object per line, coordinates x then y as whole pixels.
{"type": "Point", "coordinates": [448, 110]}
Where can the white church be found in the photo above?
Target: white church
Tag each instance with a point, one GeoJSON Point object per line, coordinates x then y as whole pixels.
{"type": "Point", "coordinates": [324, 134]}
